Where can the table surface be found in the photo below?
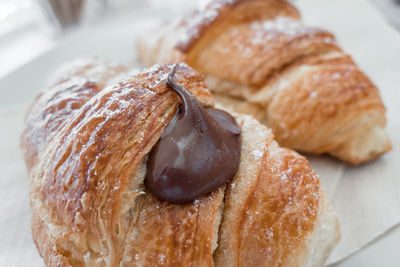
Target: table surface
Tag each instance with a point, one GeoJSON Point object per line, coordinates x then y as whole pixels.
{"type": "Point", "coordinates": [33, 30]}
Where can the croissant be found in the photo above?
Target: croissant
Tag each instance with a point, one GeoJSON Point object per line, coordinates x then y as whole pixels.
{"type": "Point", "coordinates": [258, 58]}
{"type": "Point", "coordinates": [86, 144]}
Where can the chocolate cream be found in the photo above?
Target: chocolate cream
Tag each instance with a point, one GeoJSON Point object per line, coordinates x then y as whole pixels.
{"type": "Point", "coordinates": [198, 151]}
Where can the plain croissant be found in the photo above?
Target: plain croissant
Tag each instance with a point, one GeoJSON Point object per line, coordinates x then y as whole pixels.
{"type": "Point", "coordinates": [86, 143]}
{"type": "Point", "coordinates": [258, 58]}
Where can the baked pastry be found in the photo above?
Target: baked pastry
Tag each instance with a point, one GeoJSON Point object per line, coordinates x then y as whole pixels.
{"type": "Point", "coordinates": [258, 58]}
{"type": "Point", "coordinates": [86, 146]}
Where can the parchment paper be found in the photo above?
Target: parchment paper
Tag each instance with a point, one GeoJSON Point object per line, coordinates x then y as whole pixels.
{"type": "Point", "coordinates": [366, 198]}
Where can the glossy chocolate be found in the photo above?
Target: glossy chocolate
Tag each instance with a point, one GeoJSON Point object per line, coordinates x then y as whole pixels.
{"type": "Point", "coordinates": [198, 151]}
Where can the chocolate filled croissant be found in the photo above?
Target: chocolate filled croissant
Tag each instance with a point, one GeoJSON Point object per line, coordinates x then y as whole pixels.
{"type": "Point", "coordinates": [260, 59]}
{"type": "Point", "coordinates": [86, 144]}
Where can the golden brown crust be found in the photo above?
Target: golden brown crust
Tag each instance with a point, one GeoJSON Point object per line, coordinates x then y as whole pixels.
{"type": "Point", "coordinates": [313, 95]}
{"type": "Point", "coordinates": [89, 204]}
{"type": "Point", "coordinates": [249, 52]}
{"type": "Point", "coordinates": [70, 89]}
{"type": "Point", "coordinates": [183, 39]}
{"type": "Point", "coordinates": [199, 24]}
{"type": "Point", "coordinates": [173, 235]}
{"type": "Point", "coordinates": [325, 105]}
{"type": "Point", "coordinates": [271, 206]}
{"type": "Point", "coordinates": [329, 96]}
{"type": "Point", "coordinates": [79, 175]}
{"type": "Point", "coordinates": [273, 223]}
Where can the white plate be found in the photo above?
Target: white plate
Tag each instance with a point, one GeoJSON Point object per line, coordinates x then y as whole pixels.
{"type": "Point", "coordinates": [115, 41]}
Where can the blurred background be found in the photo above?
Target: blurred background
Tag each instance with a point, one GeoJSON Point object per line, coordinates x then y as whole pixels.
{"type": "Point", "coordinates": [30, 27]}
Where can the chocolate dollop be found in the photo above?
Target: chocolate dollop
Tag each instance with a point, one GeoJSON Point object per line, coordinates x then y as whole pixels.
{"type": "Point", "coordinates": [198, 151]}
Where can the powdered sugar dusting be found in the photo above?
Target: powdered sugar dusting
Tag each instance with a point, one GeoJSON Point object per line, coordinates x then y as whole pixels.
{"type": "Point", "coordinates": [197, 22]}
{"type": "Point", "coordinates": [257, 154]}
{"type": "Point", "coordinates": [284, 26]}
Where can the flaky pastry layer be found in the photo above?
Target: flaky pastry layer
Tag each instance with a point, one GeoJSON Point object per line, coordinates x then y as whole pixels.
{"type": "Point", "coordinates": [86, 144]}
{"type": "Point", "coordinates": [297, 79]}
